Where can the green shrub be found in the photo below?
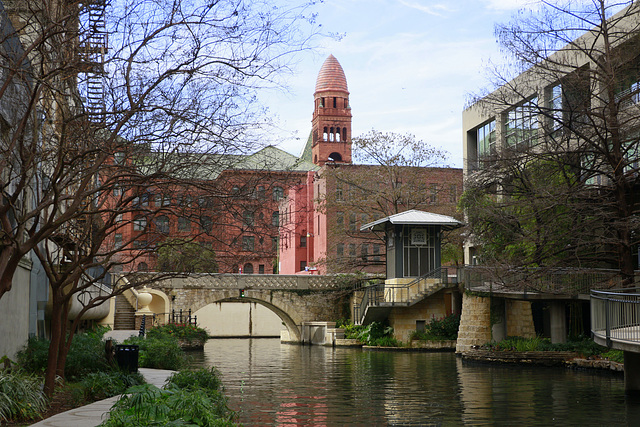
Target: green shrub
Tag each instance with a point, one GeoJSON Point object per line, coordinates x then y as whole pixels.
{"type": "Point", "coordinates": [101, 385]}
{"type": "Point", "coordinates": [86, 355]}
{"type": "Point", "coordinates": [181, 331]}
{"type": "Point", "coordinates": [21, 396]}
{"type": "Point", "coordinates": [207, 379]}
{"type": "Point", "coordinates": [161, 352]}
{"type": "Point", "coordinates": [445, 328]}
{"type": "Point", "coordinates": [585, 346]}
{"type": "Point", "coordinates": [614, 355]}
{"type": "Point", "coordinates": [378, 334]}
{"type": "Point", "coordinates": [147, 405]}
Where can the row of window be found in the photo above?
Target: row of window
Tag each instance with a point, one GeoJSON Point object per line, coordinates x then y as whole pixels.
{"type": "Point", "coordinates": [364, 251]}
{"type": "Point", "coordinates": [433, 193]}
{"type": "Point", "coordinates": [162, 224]}
{"type": "Point", "coordinates": [164, 199]}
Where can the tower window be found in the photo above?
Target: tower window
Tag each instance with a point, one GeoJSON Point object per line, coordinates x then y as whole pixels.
{"type": "Point", "coordinates": [344, 133]}
{"type": "Point", "coordinates": [331, 134]}
{"type": "Point", "coordinates": [335, 102]}
{"type": "Point", "coordinates": [338, 134]}
{"type": "Point", "coordinates": [325, 134]}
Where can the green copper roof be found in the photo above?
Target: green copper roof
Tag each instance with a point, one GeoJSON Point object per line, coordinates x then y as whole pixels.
{"type": "Point", "coordinates": [306, 151]}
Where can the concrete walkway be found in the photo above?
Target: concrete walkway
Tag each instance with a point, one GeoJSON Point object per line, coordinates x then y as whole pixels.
{"type": "Point", "coordinates": [93, 414]}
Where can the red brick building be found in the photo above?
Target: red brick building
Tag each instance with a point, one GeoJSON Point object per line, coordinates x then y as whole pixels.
{"type": "Point", "coordinates": [238, 208]}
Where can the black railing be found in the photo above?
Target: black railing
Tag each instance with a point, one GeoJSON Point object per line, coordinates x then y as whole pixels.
{"type": "Point", "coordinates": [563, 281]}
{"type": "Point", "coordinates": [176, 316]}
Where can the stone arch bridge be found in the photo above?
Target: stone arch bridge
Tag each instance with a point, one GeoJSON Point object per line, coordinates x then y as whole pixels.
{"type": "Point", "coordinates": [305, 304]}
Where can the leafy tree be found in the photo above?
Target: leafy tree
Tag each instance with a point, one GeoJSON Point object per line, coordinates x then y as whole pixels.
{"type": "Point", "coordinates": [186, 257]}
{"type": "Point", "coordinates": [559, 189]}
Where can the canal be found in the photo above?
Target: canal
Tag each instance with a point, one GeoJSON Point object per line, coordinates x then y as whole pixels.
{"type": "Point", "coordinates": [278, 384]}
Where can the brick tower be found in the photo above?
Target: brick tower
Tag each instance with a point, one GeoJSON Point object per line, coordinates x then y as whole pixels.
{"type": "Point", "coordinates": [331, 123]}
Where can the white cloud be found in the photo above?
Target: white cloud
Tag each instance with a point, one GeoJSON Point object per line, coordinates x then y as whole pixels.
{"type": "Point", "coordinates": [503, 5]}
{"type": "Point", "coordinates": [435, 9]}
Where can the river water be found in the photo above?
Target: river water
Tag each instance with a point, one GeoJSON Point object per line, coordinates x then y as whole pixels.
{"type": "Point", "coordinates": [288, 385]}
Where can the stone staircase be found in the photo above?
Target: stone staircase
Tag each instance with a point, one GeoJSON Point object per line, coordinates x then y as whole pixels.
{"type": "Point", "coordinates": [124, 318]}
{"type": "Point", "coordinates": [406, 296]}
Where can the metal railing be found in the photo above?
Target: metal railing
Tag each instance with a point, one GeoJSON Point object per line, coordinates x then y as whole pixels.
{"type": "Point", "coordinates": [558, 281]}
{"type": "Point", "coordinates": [615, 315]}
{"type": "Point", "coordinates": [176, 316]}
{"type": "Point", "coordinates": [398, 294]}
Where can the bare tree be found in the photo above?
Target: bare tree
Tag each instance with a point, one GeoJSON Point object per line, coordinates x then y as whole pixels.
{"type": "Point", "coordinates": [558, 188]}
{"type": "Point", "coordinates": [397, 172]}
{"type": "Point", "coordinates": [97, 126]}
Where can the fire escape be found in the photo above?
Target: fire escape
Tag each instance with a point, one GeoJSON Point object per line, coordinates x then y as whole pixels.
{"type": "Point", "coordinates": [92, 50]}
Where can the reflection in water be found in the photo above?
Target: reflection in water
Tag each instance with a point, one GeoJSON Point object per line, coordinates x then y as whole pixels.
{"type": "Point", "coordinates": [287, 385]}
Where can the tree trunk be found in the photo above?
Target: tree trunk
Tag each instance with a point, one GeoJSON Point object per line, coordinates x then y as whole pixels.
{"type": "Point", "coordinates": [54, 345]}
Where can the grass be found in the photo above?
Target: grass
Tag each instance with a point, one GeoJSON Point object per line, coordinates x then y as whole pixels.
{"type": "Point", "coordinates": [582, 345]}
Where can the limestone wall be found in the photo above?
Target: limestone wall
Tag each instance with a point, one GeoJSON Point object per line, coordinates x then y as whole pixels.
{"type": "Point", "coordinates": [475, 322]}
{"type": "Point", "coordinates": [519, 319]}
{"type": "Point", "coordinates": [14, 306]}
{"type": "Point", "coordinates": [403, 319]}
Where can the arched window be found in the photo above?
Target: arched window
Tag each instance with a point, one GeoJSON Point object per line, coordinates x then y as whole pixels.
{"type": "Point", "coordinates": [278, 193]}
{"type": "Point", "coordinates": [248, 268]}
{"type": "Point", "coordinates": [162, 224]}
{"type": "Point", "coordinates": [184, 224]}
{"type": "Point", "coordinates": [143, 266]}
{"type": "Point", "coordinates": [335, 157]}
{"type": "Point", "coordinates": [275, 219]}
{"type": "Point", "coordinates": [337, 134]}
{"type": "Point", "coordinates": [325, 134]}
{"type": "Point", "coordinates": [344, 134]}
{"type": "Point", "coordinates": [331, 134]}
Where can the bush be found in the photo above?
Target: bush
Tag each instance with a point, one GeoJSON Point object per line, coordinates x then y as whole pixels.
{"type": "Point", "coordinates": [439, 329]}
{"type": "Point", "coordinates": [160, 352]}
{"type": "Point", "coordinates": [181, 331]}
{"type": "Point", "coordinates": [86, 355]}
{"type": "Point", "coordinates": [147, 405]}
{"type": "Point", "coordinates": [101, 385]}
{"type": "Point", "coordinates": [207, 379]}
{"type": "Point", "coordinates": [378, 334]}
{"type": "Point", "coordinates": [21, 396]}
{"type": "Point", "coordinates": [585, 346]}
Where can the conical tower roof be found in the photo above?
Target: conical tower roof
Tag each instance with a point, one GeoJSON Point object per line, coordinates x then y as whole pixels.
{"type": "Point", "coordinates": [331, 76]}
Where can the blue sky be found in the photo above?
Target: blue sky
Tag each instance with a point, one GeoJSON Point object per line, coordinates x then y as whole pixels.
{"type": "Point", "coordinates": [409, 66]}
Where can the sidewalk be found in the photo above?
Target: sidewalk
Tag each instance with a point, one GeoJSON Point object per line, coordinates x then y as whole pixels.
{"type": "Point", "coordinates": [93, 414]}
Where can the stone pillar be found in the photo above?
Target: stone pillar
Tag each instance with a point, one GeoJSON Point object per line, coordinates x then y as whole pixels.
{"type": "Point", "coordinates": [558, 321]}
{"type": "Point", "coordinates": [631, 372]}
{"type": "Point", "coordinates": [475, 322]}
{"type": "Point", "coordinates": [499, 317]}
{"type": "Point", "coordinates": [519, 319]}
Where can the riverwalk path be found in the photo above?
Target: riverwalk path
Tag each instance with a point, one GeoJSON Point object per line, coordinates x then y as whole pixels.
{"type": "Point", "coordinates": [95, 413]}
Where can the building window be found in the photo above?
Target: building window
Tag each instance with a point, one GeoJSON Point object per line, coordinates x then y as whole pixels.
{"type": "Point", "coordinates": [352, 222]}
{"type": "Point", "coordinates": [117, 191]}
{"type": "Point", "coordinates": [139, 244]}
{"type": "Point", "coordinates": [521, 126]}
{"type": "Point", "coordinates": [433, 193]}
{"type": "Point", "coordinates": [352, 250]}
{"type": "Point", "coordinates": [260, 268]}
{"type": "Point", "coordinates": [340, 250]}
{"type": "Point", "coordinates": [303, 265]}
{"type": "Point", "coordinates": [275, 219]}
{"type": "Point", "coordinates": [277, 193]}
{"type": "Point", "coordinates": [364, 219]}
{"type": "Point", "coordinates": [303, 240]}
{"type": "Point", "coordinates": [274, 244]}
{"type": "Point", "coordinates": [453, 193]}
{"type": "Point", "coordinates": [364, 251]}
{"type": "Point", "coordinates": [248, 218]}
{"type": "Point", "coordinates": [143, 266]}
{"type": "Point", "coordinates": [376, 253]}
{"type": "Point", "coordinates": [184, 224]}
{"type": "Point", "coordinates": [339, 194]}
{"type": "Point", "coordinates": [206, 224]}
{"type": "Point", "coordinates": [260, 192]}
{"type": "Point", "coordinates": [162, 224]}
{"type": "Point", "coordinates": [166, 200]}
{"type": "Point", "coordinates": [248, 243]}
{"type": "Point", "coordinates": [487, 139]}
{"type": "Point", "coordinates": [118, 158]}
{"type": "Point", "coordinates": [340, 219]}
{"type": "Point", "coordinates": [248, 268]}
{"type": "Point", "coordinates": [117, 240]}
{"type": "Point", "coordinates": [119, 218]}
{"type": "Point", "coordinates": [140, 223]}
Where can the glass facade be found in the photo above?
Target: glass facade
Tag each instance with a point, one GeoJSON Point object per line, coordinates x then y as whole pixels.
{"type": "Point", "coordinates": [486, 139]}
{"type": "Point", "coordinates": [521, 126]}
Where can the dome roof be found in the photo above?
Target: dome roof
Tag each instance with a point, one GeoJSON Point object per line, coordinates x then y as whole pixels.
{"type": "Point", "coordinates": [331, 76]}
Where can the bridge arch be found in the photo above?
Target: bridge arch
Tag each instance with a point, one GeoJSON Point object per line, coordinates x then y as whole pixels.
{"type": "Point", "coordinates": [284, 305]}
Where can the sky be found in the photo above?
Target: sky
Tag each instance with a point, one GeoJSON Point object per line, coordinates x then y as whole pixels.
{"type": "Point", "coordinates": [410, 66]}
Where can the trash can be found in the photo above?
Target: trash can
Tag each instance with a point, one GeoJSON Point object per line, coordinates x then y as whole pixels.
{"type": "Point", "coordinates": [127, 357]}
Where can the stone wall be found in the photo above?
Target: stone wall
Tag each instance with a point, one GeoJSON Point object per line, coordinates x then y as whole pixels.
{"type": "Point", "coordinates": [403, 319]}
{"type": "Point", "coordinates": [475, 322]}
{"type": "Point", "coordinates": [519, 319]}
